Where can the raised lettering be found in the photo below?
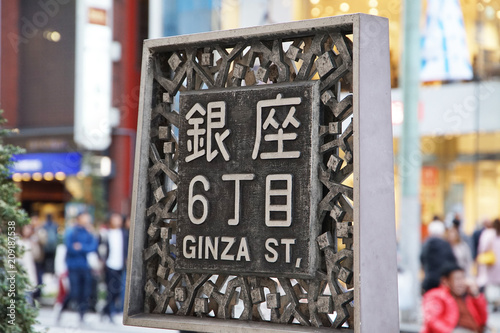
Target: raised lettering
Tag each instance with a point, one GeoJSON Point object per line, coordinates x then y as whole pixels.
{"type": "Point", "coordinates": [200, 247]}
{"type": "Point", "coordinates": [192, 249]}
{"type": "Point", "coordinates": [243, 250]}
{"type": "Point", "coordinates": [288, 253]}
{"type": "Point", "coordinates": [192, 199]}
{"type": "Point", "coordinates": [212, 248]}
{"type": "Point", "coordinates": [286, 193]}
{"type": "Point", "coordinates": [274, 256]}
{"type": "Point", "coordinates": [237, 177]}
{"type": "Point", "coordinates": [225, 255]}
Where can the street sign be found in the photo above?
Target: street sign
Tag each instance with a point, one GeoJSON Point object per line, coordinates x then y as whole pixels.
{"type": "Point", "coordinates": [248, 189]}
{"type": "Point", "coordinates": [263, 184]}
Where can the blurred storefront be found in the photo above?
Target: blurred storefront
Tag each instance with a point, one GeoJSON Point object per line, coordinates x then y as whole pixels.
{"type": "Point", "coordinates": [460, 144]}
{"type": "Point", "coordinates": [46, 181]}
{"type": "Point", "coordinates": [459, 108]}
{"type": "Point", "coordinates": [69, 86]}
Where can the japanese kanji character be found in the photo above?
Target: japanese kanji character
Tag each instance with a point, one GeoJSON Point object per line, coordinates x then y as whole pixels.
{"type": "Point", "coordinates": [216, 119]}
{"type": "Point", "coordinates": [271, 121]}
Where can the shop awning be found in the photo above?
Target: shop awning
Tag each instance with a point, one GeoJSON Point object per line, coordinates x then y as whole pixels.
{"type": "Point", "coordinates": [47, 165]}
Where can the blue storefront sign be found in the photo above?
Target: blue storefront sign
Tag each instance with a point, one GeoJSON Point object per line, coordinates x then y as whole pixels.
{"type": "Point", "coordinates": [68, 163]}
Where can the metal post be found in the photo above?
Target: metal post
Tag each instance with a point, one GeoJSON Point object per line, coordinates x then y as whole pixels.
{"type": "Point", "coordinates": [410, 156]}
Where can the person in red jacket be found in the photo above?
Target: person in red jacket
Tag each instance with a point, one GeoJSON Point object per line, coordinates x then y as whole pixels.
{"type": "Point", "coordinates": [455, 306]}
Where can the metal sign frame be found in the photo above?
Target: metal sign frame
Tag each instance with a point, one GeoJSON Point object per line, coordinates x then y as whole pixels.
{"type": "Point", "coordinates": [355, 287]}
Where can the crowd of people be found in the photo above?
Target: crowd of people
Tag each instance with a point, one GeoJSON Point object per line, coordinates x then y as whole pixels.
{"type": "Point", "coordinates": [461, 273]}
{"type": "Point", "coordinates": [39, 240]}
{"type": "Point", "coordinates": [462, 277]}
{"type": "Point", "coordinates": [81, 258]}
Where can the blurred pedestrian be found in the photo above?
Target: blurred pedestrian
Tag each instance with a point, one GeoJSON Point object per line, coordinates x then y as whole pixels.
{"type": "Point", "coordinates": [485, 224]}
{"type": "Point", "coordinates": [126, 230]}
{"type": "Point", "coordinates": [456, 220]}
{"type": "Point", "coordinates": [38, 239]}
{"type": "Point", "coordinates": [457, 223]}
{"type": "Point", "coordinates": [489, 268]}
{"type": "Point", "coordinates": [435, 220]}
{"type": "Point", "coordinates": [80, 242]}
{"type": "Point", "coordinates": [61, 272]}
{"type": "Point", "coordinates": [50, 246]}
{"type": "Point", "coordinates": [27, 261]}
{"type": "Point", "coordinates": [461, 250]}
{"type": "Point", "coordinates": [115, 242]}
{"type": "Point", "coordinates": [436, 252]}
{"type": "Point", "coordinates": [456, 306]}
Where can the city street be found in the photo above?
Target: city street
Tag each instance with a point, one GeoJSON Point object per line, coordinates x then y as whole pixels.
{"type": "Point", "coordinates": [70, 324]}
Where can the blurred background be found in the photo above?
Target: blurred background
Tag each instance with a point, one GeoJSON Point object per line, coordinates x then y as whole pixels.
{"type": "Point", "coordinates": [70, 76]}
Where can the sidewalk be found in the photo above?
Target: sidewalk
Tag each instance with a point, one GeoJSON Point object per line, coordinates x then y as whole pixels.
{"type": "Point", "coordinates": [494, 322]}
{"type": "Point", "coordinates": [70, 323]}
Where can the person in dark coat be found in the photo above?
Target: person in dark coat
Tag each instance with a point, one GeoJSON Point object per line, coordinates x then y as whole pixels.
{"type": "Point", "coordinates": [49, 249]}
{"type": "Point", "coordinates": [79, 242]}
{"type": "Point", "coordinates": [126, 231]}
{"type": "Point", "coordinates": [436, 253]}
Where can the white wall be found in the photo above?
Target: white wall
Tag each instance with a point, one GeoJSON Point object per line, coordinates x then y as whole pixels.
{"type": "Point", "coordinates": [453, 108]}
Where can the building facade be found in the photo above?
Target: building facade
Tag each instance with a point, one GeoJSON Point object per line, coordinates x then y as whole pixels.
{"type": "Point", "coordinates": [41, 87]}
{"type": "Point", "coordinates": [459, 119]}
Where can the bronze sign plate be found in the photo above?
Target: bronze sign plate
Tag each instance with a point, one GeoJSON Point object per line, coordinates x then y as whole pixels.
{"type": "Point", "coordinates": [248, 191]}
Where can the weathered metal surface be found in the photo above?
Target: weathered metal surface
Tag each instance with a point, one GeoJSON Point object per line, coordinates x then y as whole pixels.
{"type": "Point", "coordinates": [248, 185]}
{"type": "Point", "coordinates": [188, 193]}
{"type": "Point", "coordinates": [248, 169]}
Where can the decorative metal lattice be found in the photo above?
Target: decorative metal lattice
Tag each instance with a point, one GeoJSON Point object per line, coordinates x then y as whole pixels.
{"type": "Point", "coordinates": [325, 300]}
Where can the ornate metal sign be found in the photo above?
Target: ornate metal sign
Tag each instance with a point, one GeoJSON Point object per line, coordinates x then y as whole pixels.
{"type": "Point", "coordinates": [248, 189]}
{"type": "Point", "coordinates": [258, 199]}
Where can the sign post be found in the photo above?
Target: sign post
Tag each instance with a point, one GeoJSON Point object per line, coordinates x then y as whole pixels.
{"type": "Point", "coordinates": [265, 201]}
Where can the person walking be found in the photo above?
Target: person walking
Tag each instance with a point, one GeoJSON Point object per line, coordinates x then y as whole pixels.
{"type": "Point", "coordinates": [50, 245]}
{"type": "Point", "coordinates": [489, 272]}
{"type": "Point", "coordinates": [61, 272]}
{"type": "Point", "coordinates": [455, 306]}
{"type": "Point", "coordinates": [79, 243]}
{"type": "Point", "coordinates": [126, 231]}
{"type": "Point", "coordinates": [461, 250]}
{"type": "Point", "coordinates": [485, 225]}
{"type": "Point", "coordinates": [457, 224]}
{"type": "Point", "coordinates": [38, 239]}
{"type": "Point", "coordinates": [115, 242]}
{"type": "Point", "coordinates": [436, 252]}
{"type": "Point", "coordinates": [27, 260]}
